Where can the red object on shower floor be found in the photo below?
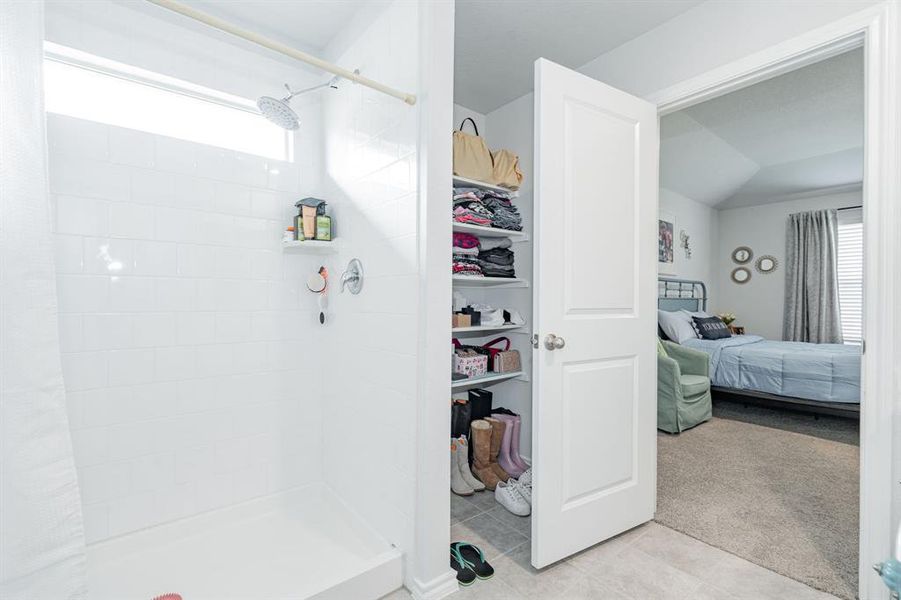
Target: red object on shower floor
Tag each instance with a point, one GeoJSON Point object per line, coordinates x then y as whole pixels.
{"type": "Point", "coordinates": [169, 597]}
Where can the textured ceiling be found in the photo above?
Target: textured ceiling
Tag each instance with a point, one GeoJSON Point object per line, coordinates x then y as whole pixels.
{"type": "Point", "coordinates": [794, 133]}
{"type": "Point", "coordinates": [497, 42]}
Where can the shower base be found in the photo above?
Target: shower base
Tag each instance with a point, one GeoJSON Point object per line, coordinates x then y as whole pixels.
{"type": "Point", "coordinates": [304, 543]}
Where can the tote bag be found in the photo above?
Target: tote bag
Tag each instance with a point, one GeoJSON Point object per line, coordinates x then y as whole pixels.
{"type": "Point", "coordinates": [506, 171]}
{"type": "Point", "coordinates": [472, 159]}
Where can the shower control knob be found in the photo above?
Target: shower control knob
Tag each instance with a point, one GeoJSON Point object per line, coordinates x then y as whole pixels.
{"type": "Point", "coordinates": [553, 342]}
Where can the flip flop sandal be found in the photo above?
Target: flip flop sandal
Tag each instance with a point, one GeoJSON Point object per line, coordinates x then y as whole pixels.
{"type": "Point", "coordinates": [465, 574]}
{"type": "Point", "coordinates": [475, 559]}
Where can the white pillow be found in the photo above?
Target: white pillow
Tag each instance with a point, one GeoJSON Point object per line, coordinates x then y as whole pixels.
{"type": "Point", "coordinates": [700, 314]}
{"type": "Point", "coordinates": [677, 326]}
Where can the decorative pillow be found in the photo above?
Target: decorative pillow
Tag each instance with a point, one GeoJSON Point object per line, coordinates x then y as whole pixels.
{"type": "Point", "coordinates": [676, 325]}
{"type": "Point", "coordinates": [711, 328]}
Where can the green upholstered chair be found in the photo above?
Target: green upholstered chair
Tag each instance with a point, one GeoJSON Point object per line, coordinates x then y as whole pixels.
{"type": "Point", "coordinates": [683, 387]}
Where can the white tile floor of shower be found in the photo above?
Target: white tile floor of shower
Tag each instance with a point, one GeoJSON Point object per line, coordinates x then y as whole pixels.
{"type": "Point", "coordinates": [303, 543]}
{"type": "Point", "coordinates": [650, 562]}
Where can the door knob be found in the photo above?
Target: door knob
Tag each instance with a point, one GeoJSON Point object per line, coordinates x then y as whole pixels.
{"type": "Point", "coordinates": [552, 342]}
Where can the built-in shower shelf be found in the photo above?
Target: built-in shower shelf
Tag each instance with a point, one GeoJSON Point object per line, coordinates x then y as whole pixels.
{"type": "Point", "coordinates": [464, 182]}
{"type": "Point", "coordinates": [486, 380]}
{"type": "Point", "coordinates": [311, 246]}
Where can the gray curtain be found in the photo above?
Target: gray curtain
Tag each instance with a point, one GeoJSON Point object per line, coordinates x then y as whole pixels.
{"type": "Point", "coordinates": [811, 279]}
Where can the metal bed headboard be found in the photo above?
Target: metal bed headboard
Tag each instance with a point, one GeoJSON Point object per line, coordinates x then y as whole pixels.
{"type": "Point", "coordinates": [681, 294]}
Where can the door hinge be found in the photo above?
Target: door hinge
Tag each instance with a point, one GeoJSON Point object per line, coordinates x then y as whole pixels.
{"type": "Point", "coordinates": [534, 340]}
{"type": "Point", "coordinates": [863, 346]}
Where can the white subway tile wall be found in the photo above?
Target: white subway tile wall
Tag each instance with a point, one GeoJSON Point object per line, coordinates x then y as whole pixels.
{"type": "Point", "coordinates": [371, 177]}
{"type": "Point", "coordinates": [190, 352]}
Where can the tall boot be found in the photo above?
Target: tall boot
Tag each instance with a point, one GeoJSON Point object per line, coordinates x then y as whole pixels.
{"type": "Point", "coordinates": [514, 449]}
{"type": "Point", "coordinates": [480, 437]}
{"type": "Point", "coordinates": [497, 439]}
{"type": "Point", "coordinates": [458, 484]}
{"type": "Point", "coordinates": [504, 459]}
{"type": "Point", "coordinates": [463, 460]}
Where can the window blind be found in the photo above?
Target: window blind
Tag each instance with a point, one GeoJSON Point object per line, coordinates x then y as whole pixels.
{"type": "Point", "coordinates": [850, 274]}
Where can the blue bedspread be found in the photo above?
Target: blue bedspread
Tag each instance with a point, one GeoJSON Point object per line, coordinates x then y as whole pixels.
{"type": "Point", "coordinates": [826, 372]}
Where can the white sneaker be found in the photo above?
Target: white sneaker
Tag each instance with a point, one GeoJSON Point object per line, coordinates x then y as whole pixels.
{"type": "Point", "coordinates": [509, 496]}
{"type": "Point", "coordinates": [526, 478]}
{"type": "Point", "coordinates": [525, 491]}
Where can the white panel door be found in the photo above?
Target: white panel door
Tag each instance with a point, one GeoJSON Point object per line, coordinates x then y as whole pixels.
{"type": "Point", "coordinates": [595, 383]}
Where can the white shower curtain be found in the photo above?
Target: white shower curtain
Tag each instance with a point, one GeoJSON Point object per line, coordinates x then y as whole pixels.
{"type": "Point", "coordinates": [42, 550]}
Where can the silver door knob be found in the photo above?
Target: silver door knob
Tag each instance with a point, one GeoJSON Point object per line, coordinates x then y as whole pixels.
{"type": "Point", "coordinates": [552, 342]}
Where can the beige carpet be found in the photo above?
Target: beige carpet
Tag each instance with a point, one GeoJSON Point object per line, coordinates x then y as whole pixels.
{"type": "Point", "coordinates": [776, 488]}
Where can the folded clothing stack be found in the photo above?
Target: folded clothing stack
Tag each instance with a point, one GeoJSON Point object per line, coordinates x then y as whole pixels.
{"type": "Point", "coordinates": [466, 255]}
{"type": "Point", "coordinates": [504, 215]}
{"type": "Point", "coordinates": [497, 262]}
{"type": "Point", "coordinates": [468, 208]}
{"type": "Point", "coordinates": [487, 208]}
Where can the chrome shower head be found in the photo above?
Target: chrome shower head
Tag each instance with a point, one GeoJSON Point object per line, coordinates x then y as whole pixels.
{"type": "Point", "coordinates": [279, 112]}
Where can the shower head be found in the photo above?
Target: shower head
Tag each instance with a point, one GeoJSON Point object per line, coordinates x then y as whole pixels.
{"type": "Point", "coordinates": [279, 112]}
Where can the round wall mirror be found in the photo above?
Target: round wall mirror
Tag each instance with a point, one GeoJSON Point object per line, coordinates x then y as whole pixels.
{"type": "Point", "coordinates": [742, 255]}
{"type": "Point", "coordinates": [741, 275]}
{"type": "Point", "coordinates": [766, 264]}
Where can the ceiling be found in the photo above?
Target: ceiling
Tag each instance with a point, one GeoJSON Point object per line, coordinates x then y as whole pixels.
{"type": "Point", "coordinates": [310, 24]}
{"type": "Point", "coordinates": [497, 42]}
{"type": "Point", "coordinates": [795, 133]}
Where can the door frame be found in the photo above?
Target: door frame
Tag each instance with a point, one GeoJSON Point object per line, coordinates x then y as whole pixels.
{"type": "Point", "coordinates": [877, 31]}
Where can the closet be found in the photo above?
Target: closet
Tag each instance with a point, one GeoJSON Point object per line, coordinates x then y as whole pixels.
{"type": "Point", "coordinates": [585, 266]}
{"type": "Point", "coordinates": [512, 296]}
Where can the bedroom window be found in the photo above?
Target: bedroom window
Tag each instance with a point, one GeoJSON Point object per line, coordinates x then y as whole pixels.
{"type": "Point", "coordinates": [850, 273]}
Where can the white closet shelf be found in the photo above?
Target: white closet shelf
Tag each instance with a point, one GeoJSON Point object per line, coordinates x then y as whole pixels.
{"type": "Point", "coordinates": [311, 246]}
{"type": "Point", "coordinates": [490, 232]}
{"type": "Point", "coordinates": [464, 182]}
{"type": "Point", "coordinates": [509, 282]}
{"type": "Point", "coordinates": [466, 384]}
{"type": "Point", "coordinates": [480, 329]}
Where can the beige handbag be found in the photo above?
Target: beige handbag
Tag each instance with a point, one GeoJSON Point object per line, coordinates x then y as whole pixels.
{"type": "Point", "coordinates": [472, 159]}
{"type": "Point", "coordinates": [506, 171]}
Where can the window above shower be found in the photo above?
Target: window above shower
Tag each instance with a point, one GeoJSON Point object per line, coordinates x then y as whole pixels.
{"type": "Point", "coordinates": [85, 86]}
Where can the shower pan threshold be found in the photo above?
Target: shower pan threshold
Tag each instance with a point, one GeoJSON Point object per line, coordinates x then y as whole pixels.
{"type": "Point", "coordinates": [303, 543]}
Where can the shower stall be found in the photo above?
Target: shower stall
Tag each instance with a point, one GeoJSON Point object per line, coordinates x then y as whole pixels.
{"type": "Point", "coordinates": [229, 443]}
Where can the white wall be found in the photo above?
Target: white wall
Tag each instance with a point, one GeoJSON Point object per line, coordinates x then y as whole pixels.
{"type": "Point", "coordinates": [188, 345]}
{"type": "Point", "coordinates": [699, 221]}
{"type": "Point", "coordinates": [371, 165]}
{"type": "Point", "coordinates": [759, 303]}
{"type": "Point", "coordinates": [461, 112]}
{"type": "Point", "coordinates": [710, 35]}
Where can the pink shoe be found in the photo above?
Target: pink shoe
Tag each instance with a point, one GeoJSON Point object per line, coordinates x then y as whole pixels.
{"type": "Point", "coordinates": [514, 446]}
{"type": "Point", "coordinates": [504, 459]}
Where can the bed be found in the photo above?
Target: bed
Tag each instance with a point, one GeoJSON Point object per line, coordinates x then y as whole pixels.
{"type": "Point", "coordinates": [819, 378]}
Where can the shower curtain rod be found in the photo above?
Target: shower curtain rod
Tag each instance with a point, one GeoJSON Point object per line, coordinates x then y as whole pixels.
{"type": "Point", "coordinates": [260, 40]}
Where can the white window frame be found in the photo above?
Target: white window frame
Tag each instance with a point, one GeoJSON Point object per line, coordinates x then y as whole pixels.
{"type": "Point", "coordinates": [850, 274]}
{"type": "Point", "coordinates": [83, 60]}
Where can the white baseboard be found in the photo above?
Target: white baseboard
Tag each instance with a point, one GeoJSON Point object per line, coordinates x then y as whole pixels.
{"type": "Point", "coordinates": [440, 587]}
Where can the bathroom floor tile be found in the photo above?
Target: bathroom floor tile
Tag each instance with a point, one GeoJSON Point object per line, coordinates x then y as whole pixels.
{"type": "Point", "coordinates": [462, 509]}
{"type": "Point", "coordinates": [520, 524]}
{"type": "Point", "coordinates": [489, 534]}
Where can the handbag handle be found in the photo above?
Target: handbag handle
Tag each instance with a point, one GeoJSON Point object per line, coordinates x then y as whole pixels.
{"type": "Point", "coordinates": [474, 126]}
{"type": "Point", "coordinates": [496, 340]}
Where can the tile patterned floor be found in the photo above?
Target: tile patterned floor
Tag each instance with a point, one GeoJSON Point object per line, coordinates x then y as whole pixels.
{"type": "Point", "coordinates": [650, 562]}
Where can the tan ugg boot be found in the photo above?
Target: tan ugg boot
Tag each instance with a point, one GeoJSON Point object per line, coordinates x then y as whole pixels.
{"type": "Point", "coordinates": [480, 438]}
{"type": "Point", "coordinates": [497, 438]}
